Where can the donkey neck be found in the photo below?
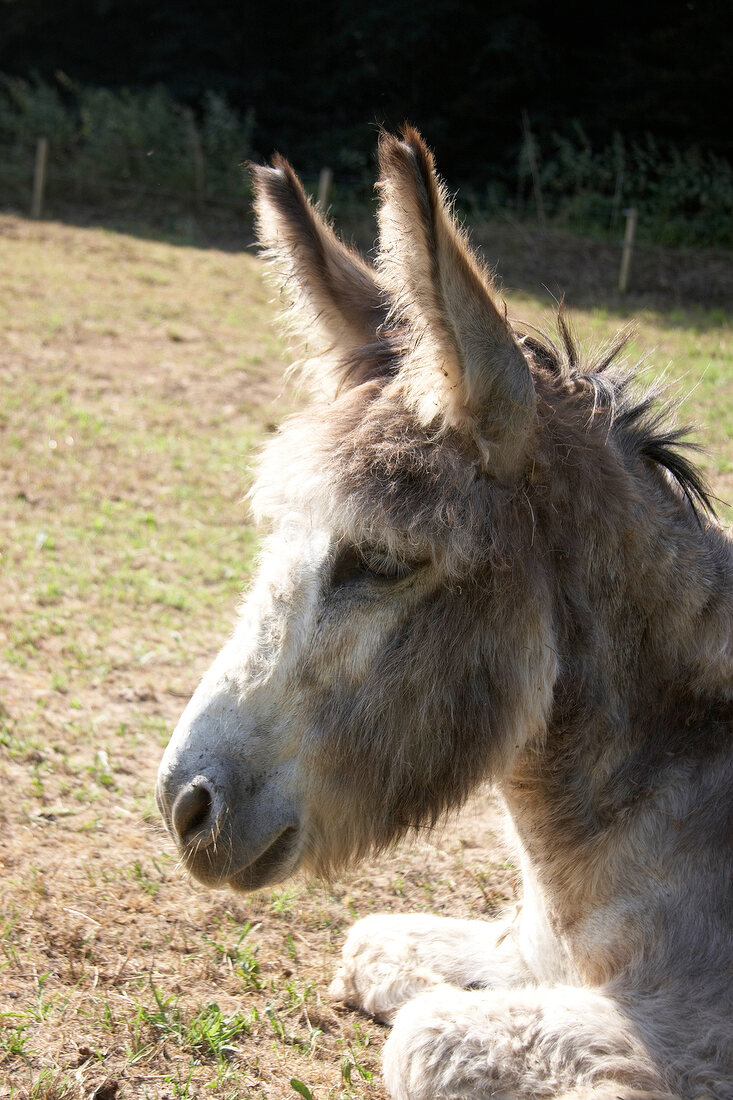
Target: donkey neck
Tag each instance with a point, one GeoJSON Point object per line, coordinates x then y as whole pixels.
{"type": "Point", "coordinates": [644, 693]}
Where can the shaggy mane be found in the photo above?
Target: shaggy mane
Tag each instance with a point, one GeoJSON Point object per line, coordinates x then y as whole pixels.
{"type": "Point", "coordinates": [640, 424]}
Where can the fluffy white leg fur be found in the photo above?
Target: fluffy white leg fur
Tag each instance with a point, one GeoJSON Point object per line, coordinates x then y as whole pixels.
{"type": "Point", "coordinates": [525, 1044]}
{"type": "Point", "coordinates": [388, 959]}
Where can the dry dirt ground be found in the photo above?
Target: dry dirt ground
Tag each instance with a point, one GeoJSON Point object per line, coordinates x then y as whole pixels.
{"type": "Point", "coordinates": [137, 378]}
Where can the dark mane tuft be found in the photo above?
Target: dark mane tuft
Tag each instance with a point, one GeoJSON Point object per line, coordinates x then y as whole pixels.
{"type": "Point", "coordinates": [647, 427]}
{"type": "Point", "coordinates": [640, 424]}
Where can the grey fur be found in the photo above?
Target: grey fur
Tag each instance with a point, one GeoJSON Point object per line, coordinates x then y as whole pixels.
{"type": "Point", "coordinates": [489, 560]}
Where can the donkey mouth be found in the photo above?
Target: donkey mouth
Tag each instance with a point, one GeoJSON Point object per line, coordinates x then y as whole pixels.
{"type": "Point", "coordinates": [277, 861]}
{"type": "Point", "coordinates": [274, 863]}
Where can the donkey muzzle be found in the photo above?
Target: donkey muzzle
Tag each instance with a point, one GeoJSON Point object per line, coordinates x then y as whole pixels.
{"type": "Point", "coordinates": [231, 827]}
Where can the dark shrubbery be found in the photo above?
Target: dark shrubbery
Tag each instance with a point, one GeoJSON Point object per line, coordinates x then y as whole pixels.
{"type": "Point", "coordinates": [101, 140]}
{"type": "Point", "coordinates": [104, 142]}
{"type": "Point", "coordinates": [684, 197]}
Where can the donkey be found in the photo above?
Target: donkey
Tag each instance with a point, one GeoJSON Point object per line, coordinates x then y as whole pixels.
{"type": "Point", "coordinates": [488, 560]}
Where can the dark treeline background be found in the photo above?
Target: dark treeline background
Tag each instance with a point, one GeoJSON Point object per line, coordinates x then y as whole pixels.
{"type": "Point", "coordinates": [318, 78]}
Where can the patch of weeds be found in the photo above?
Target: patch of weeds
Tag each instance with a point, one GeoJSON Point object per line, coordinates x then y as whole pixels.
{"type": "Point", "coordinates": [290, 947]}
{"type": "Point", "coordinates": [181, 1086]}
{"type": "Point", "coordinates": [86, 795]}
{"type": "Point", "coordinates": [9, 950]}
{"type": "Point", "coordinates": [297, 993]}
{"type": "Point", "coordinates": [282, 902]}
{"type": "Point", "coordinates": [107, 1017]}
{"type": "Point", "coordinates": [37, 884]}
{"type": "Point", "coordinates": [353, 1064]}
{"type": "Point", "coordinates": [308, 1044]}
{"type": "Point", "coordinates": [51, 1085]}
{"type": "Point", "coordinates": [275, 1022]}
{"type": "Point", "coordinates": [208, 1034]}
{"type": "Point", "coordinates": [242, 956]}
{"type": "Point", "coordinates": [43, 1007]}
{"type": "Point", "coordinates": [101, 770]}
{"type": "Point", "coordinates": [211, 1033]}
{"type": "Point", "coordinates": [24, 639]}
{"type": "Point", "coordinates": [145, 880]}
{"type": "Point", "coordinates": [50, 594]}
{"type": "Point", "coordinates": [428, 888]}
{"type": "Point", "coordinates": [165, 1018]}
{"type": "Point", "coordinates": [37, 782]}
{"type": "Point", "coordinates": [75, 653]}
{"type": "Point", "coordinates": [59, 683]}
{"type": "Point", "coordinates": [9, 739]}
{"type": "Point", "coordinates": [101, 1013]}
{"type": "Point", "coordinates": [13, 1037]}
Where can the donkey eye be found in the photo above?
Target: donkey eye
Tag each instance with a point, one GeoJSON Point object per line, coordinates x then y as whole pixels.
{"type": "Point", "coordinates": [367, 563]}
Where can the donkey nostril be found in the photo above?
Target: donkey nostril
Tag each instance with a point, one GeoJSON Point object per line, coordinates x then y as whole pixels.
{"type": "Point", "coordinates": [193, 814]}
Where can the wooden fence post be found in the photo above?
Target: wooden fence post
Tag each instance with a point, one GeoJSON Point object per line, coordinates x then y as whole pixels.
{"type": "Point", "coordinates": [39, 177]}
{"type": "Point", "coordinates": [325, 180]}
{"type": "Point", "coordinates": [632, 215]}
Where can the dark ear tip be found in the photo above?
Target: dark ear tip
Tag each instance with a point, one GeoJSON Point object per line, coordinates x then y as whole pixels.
{"type": "Point", "coordinates": [276, 179]}
{"type": "Point", "coordinates": [260, 174]}
{"type": "Point", "coordinates": [412, 138]}
{"type": "Point", "coordinates": [254, 170]}
{"type": "Point", "coordinates": [280, 164]}
{"type": "Point", "coordinates": [408, 151]}
{"type": "Point", "coordinates": [386, 142]}
{"type": "Point", "coordinates": [395, 152]}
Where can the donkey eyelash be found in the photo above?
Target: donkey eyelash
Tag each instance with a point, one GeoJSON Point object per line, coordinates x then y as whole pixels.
{"type": "Point", "coordinates": [354, 564]}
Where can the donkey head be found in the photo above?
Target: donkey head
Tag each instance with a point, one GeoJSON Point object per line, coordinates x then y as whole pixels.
{"type": "Point", "coordinates": [398, 644]}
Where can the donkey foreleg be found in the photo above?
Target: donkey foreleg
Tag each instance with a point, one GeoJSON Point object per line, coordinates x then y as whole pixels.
{"type": "Point", "coordinates": [525, 1044]}
{"type": "Point", "coordinates": [388, 959]}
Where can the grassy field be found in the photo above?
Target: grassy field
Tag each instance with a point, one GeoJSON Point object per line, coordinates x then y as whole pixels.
{"type": "Point", "coordinates": [136, 380]}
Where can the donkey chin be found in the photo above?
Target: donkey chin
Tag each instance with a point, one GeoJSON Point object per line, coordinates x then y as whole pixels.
{"type": "Point", "coordinates": [490, 558]}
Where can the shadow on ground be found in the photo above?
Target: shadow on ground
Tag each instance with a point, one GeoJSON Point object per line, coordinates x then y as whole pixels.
{"type": "Point", "coordinates": [545, 262]}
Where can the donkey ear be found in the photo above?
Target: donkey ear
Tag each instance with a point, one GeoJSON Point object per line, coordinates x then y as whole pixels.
{"type": "Point", "coordinates": [333, 294]}
{"type": "Point", "coordinates": [465, 365]}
